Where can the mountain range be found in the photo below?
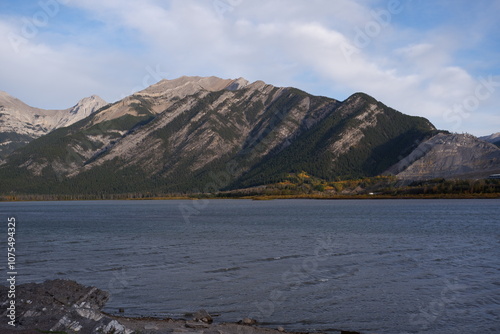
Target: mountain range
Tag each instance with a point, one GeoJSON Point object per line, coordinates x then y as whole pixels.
{"type": "Point", "coordinates": [20, 123]}
{"type": "Point", "coordinates": [205, 134]}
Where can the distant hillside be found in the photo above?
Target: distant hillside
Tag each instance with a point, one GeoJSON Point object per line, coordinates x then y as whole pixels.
{"type": "Point", "coordinates": [449, 156]}
{"type": "Point", "coordinates": [205, 134]}
{"type": "Point", "coordinates": [20, 123]}
{"type": "Point", "coordinates": [494, 138]}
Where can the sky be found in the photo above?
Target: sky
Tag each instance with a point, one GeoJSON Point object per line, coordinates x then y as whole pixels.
{"type": "Point", "coordinates": [439, 59]}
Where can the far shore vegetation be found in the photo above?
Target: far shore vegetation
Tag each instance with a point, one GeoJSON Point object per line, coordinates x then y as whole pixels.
{"type": "Point", "coordinates": [304, 186]}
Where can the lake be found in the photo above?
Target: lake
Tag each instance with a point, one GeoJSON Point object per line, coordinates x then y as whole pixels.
{"type": "Point", "coordinates": [376, 266]}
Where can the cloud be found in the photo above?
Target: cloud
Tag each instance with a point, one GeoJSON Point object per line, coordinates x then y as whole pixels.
{"type": "Point", "coordinates": [332, 48]}
{"type": "Point", "coordinates": [57, 76]}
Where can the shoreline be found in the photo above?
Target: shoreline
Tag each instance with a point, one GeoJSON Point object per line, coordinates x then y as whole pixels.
{"type": "Point", "coordinates": [65, 306]}
{"type": "Point", "coordinates": [69, 198]}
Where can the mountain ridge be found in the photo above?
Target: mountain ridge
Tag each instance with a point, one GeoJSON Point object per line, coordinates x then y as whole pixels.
{"type": "Point", "coordinates": [206, 134]}
{"type": "Point", "coordinates": [462, 155]}
{"type": "Point", "coordinates": [21, 123]}
{"type": "Point", "coordinates": [175, 135]}
{"type": "Point", "coordinates": [493, 138]}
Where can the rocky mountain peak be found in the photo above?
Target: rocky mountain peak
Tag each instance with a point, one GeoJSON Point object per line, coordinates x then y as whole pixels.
{"type": "Point", "coordinates": [184, 86]}
{"type": "Point", "coordinates": [21, 123]}
{"type": "Point", "coordinates": [88, 105]}
{"type": "Point", "coordinates": [237, 84]}
{"type": "Point", "coordinates": [491, 138]}
{"type": "Point", "coordinates": [12, 104]}
{"type": "Point", "coordinates": [3, 95]}
{"type": "Point", "coordinates": [165, 93]}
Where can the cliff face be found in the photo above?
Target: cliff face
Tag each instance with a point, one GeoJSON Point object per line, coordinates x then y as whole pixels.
{"type": "Point", "coordinates": [449, 156]}
{"type": "Point", "coordinates": [180, 135]}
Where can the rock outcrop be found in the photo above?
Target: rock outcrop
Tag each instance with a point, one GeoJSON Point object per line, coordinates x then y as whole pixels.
{"type": "Point", "coordinates": [58, 305]}
{"type": "Point", "coordinates": [62, 306]}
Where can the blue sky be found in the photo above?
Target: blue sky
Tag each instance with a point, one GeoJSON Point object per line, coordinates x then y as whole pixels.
{"type": "Point", "coordinates": [439, 59]}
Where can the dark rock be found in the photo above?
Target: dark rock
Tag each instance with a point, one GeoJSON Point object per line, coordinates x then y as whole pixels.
{"type": "Point", "coordinates": [248, 321]}
{"type": "Point", "coordinates": [57, 305]}
{"type": "Point", "coordinates": [349, 332]}
{"type": "Point", "coordinates": [203, 316]}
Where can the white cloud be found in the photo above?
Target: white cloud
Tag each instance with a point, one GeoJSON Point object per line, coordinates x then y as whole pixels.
{"type": "Point", "coordinates": [286, 43]}
{"type": "Point", "coordinates": [56, 77]}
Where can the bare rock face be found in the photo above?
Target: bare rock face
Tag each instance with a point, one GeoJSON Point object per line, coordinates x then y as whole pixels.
{"type": "Point", "coordinates": [18, 117]}
{"type": "Point", "coordinates": [57, 305]}
{"type": "Point", "coordinates": [88, 106]}
{"type": "Point", "coordinates": [21, 123]}
{"type": "Point", "coordinates": [450, 156]}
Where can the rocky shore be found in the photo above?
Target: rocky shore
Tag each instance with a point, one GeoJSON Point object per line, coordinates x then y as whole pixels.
{"type": "Point", "coordinates": [62, 306]}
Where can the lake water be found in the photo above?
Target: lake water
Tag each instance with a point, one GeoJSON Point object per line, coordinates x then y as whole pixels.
{"type": "Point", "coordinates": [376, 266]}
